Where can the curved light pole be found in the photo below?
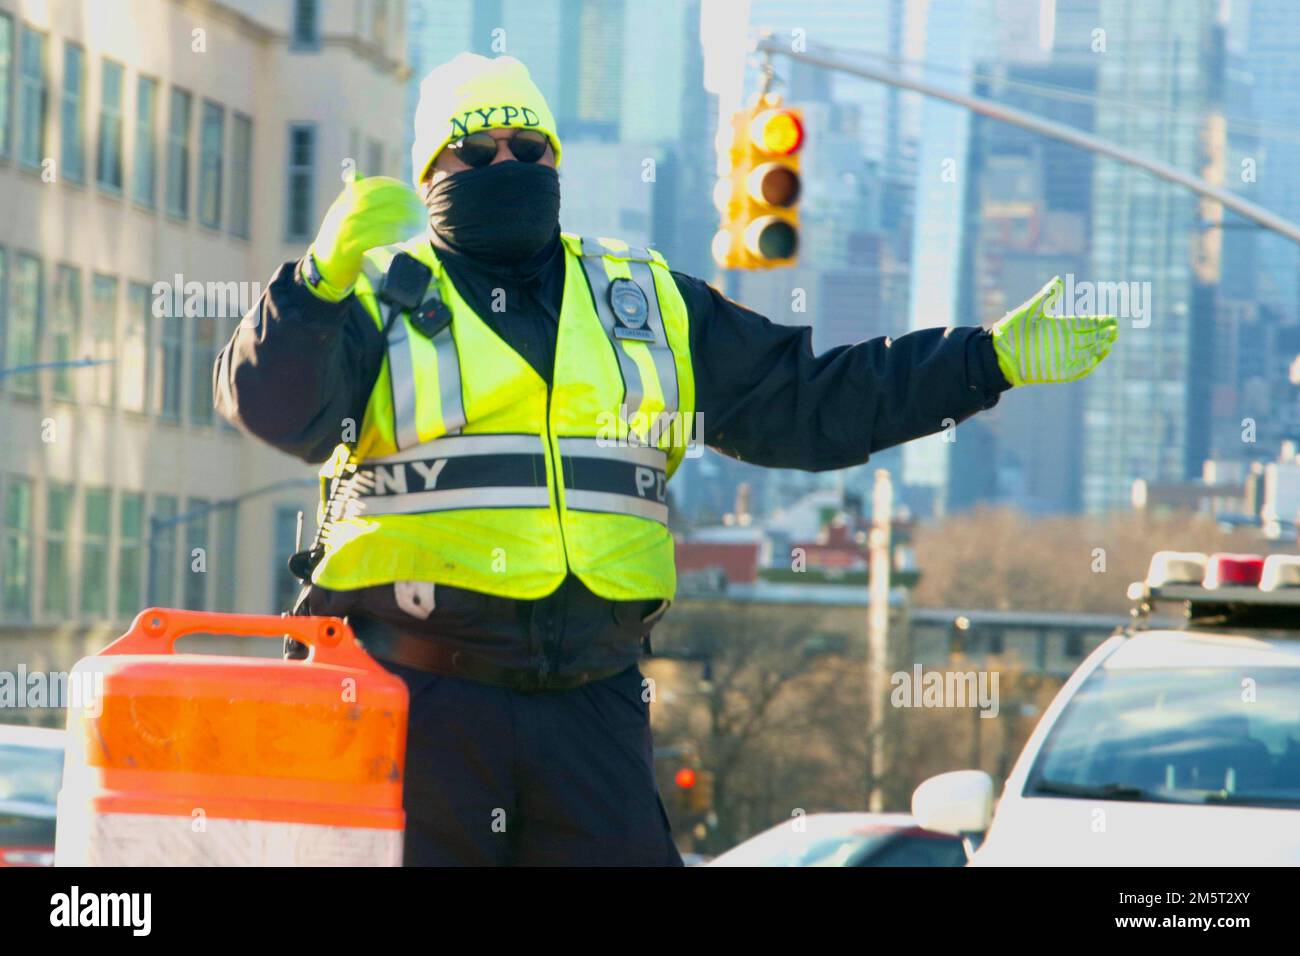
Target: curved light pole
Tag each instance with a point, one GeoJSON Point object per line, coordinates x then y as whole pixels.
{"type": "Point", "coordinates": [1050, 128]}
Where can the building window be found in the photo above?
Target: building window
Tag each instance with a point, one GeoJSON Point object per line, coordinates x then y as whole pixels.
{"type": "Point", "coordinates": [306, 25]}
{"type": "Point", "coordinates": [74, 113]}
{"type": "Point", "coordinates": [6, 84]}
{"type": "Point", "coordinates": [226, 558]}
{"type": "Point", "coordinates": [133, 386]}
{"type": "Point", "coordinates": [65, 323]}
{"type": "Point", "coordinates": [33, 99]}
{"type": "Point", "coordinates": [301, 220]}
{"type": "Point", "coordinates": [94, 553]}
{"type": "Point", "coordinates": [162, 552]}
{"type": "Point", "coordinates": [241, 175]}
{"type": "Point", "coordinates": [170, 357]}
{"type": "Point", "coordinates": [146, 141]}
{"type": "Point", "coordinates": [178, 155]}
{"type": "Point", "coordinates": [16, 590]}
{"type": "Point", "coordinates": [285, 542]}
{"type": "Point", "coordinates": [212, 135]}
{"type": "Point", "coordinates": [203, 355]}
{"type": "Point", "coordinates": [25, 323]}
{"type": "Point", "coordinates": [58, 552]}
{"type": "Point", "coordinates": [196, 555]}
{"type": "Point", "coordinates": [102, 339]}
{"type": "Point", "coordinates": [109, 173]}
{"type": "Point", "coordinates": [130, 553]}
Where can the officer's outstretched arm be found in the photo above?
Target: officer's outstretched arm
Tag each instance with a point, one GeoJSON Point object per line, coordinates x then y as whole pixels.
{"type": "Point", "coordinates": [767, 398]}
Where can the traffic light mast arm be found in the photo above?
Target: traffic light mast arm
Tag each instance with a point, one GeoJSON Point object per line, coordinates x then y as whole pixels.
{"type": "Point", "coordinates": [1049, 128]}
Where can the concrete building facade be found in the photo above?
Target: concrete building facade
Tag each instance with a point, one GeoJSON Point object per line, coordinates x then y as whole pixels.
{"type": "Point", "coordinates": [158, 160]}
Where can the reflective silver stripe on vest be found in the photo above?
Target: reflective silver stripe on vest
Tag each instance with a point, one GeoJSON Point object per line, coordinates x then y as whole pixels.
{"type": "Point", "coordinates": [462, 445]}
{"type": "Point", "coordinates": [594, 247]}
{"type": "Point", "coordinates": [453, 409]}
{"type": "Point", "coordinates": [608, 502]}
{"type": "Point", "coordinates": [637, 469]}
{"type": "Point", "coordinates": [660, 350]}
{"type": "Point", "coordinates": [600, 283]}
{"type": "Point", "coordinates": [401, 373]}
{"type": "Point", "coordinates": [453, 499]}
{"type": "Point", "coordinates": [603, 448]}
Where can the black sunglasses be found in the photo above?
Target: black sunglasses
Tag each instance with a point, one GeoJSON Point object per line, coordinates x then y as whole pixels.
{"type": "Point", "coordinates": [479, 149]}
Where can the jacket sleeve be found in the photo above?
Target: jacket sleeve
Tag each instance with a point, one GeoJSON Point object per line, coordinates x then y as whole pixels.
{"type": "Point", "coordinates": [766, 398]}
{"type": "Point", "coordinates": [298, 368]}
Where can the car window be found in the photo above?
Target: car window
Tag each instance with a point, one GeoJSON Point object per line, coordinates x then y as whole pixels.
{"type": "Point", "coordinates": [915, 849]}
{"type": "Point", "coordinates": [786, 846]}
{"type": "Point", "coordinates": [19, 830]}
{"type": "Point", "coordinates": [30, 774]}
{"type": "Point", "coordinates": [1208, 735]}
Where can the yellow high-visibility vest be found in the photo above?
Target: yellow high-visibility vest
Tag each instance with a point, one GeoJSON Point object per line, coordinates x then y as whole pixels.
{"type": "Point", "coordinates": [469, 471]}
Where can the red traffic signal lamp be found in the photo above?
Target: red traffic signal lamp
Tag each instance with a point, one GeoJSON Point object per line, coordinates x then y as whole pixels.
{"type": "Point", "coordinates": [758, 196]}
{"type": "Point", "coordinates": [695, 789]}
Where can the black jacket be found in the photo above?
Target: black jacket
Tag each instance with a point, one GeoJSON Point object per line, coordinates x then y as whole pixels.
{"type": "Point", "coordinates": [297, 367]}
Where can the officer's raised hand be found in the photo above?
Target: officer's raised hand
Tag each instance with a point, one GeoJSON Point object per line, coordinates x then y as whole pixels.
{"type": "Point", "coordinates": [1034, 347]}
{"type": "Point", "coordinates": [372, 212]}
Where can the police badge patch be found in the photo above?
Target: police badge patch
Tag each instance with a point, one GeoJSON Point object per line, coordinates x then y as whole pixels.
{"type": "Point", "coordinates": [631, 310]}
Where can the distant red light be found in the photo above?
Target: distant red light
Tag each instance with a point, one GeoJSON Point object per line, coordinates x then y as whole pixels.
{"type": "Point", "coordinates": [685, 778]}
{"type": "Point", "coordinates": [1234, 570]}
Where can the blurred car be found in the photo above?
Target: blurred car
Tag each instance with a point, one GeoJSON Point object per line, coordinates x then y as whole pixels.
{"type": "Point", "coordinates": [1168, 746]}
{"type": "Point", "coordinates": [31, 772]}
{"type": "Point", "coordinates": [846, 839]}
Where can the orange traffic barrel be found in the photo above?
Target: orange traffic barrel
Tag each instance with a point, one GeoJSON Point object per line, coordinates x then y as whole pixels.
{"type": "Point", "coordinates": [202, 759]}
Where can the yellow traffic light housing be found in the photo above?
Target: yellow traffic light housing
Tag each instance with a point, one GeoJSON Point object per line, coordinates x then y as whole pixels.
{"type": "Point", "coordinates": [758, 197]}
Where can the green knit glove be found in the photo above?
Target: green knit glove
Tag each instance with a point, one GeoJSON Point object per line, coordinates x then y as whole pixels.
{"type": "Point", "coordinates": [372, 212]}
{"type": "Point", "coordinates": [1033, 347]}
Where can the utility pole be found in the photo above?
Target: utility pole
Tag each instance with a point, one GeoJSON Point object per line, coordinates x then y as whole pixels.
{"type": "Point", "coordinates": [882, 510]}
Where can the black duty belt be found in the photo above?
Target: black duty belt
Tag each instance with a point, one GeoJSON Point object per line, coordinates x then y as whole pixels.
{"type": "Point", "coordinates": [392, 644]}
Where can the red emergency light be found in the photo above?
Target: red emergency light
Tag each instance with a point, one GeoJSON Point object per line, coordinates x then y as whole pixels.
{"type": "Point", "coordinates": [1234, 570]}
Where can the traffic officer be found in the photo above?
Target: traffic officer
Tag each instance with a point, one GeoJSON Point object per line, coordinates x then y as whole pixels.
{"type": "Point", "coordinates": [498, 406]}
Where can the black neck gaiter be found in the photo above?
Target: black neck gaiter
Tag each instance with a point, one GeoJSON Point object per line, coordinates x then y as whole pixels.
{"type": "Point", "coordinates": [499, 214]}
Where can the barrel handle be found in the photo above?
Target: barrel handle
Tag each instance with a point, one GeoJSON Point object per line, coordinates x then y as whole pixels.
{"type": "Point", "coordinates": [155, 630]}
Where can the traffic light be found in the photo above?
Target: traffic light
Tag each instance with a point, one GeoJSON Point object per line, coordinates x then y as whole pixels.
{"type": "Point", "coordinates": [695, 789]}
{"type": "Point", "coordinates": [758, 195]}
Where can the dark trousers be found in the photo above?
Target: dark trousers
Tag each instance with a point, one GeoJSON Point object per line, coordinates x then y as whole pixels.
{"type": "Point", "coordinates": [498, 777]}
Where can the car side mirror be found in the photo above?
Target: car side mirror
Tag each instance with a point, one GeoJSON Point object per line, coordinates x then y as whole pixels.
{"type": "Point", "coordinates": [959, 803]}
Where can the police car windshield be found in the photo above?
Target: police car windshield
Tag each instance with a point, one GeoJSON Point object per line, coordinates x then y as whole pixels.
{"type": "Point", "coordinates": [1212, 735]}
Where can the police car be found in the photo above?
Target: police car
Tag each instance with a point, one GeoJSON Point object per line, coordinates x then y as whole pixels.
{"type": "Point", "coordinates": [1172, 744]}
